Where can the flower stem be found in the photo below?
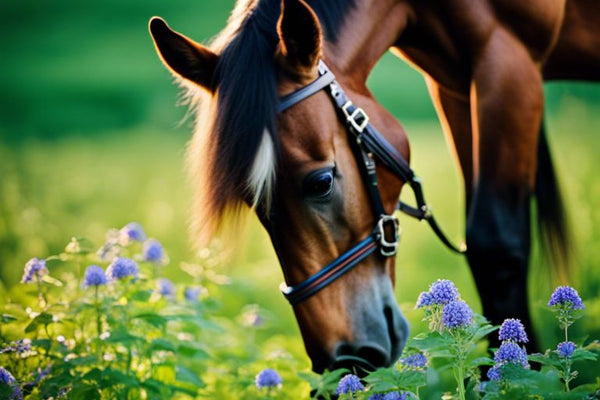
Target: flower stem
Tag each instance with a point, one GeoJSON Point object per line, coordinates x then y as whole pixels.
{"type": "Point", "coordinates": [98, 318]}
{"type": "Point", "coordinates": [568, 375]}
{"type": "Point", "coordinates": [461, 382]}
{"type": "Point", "coordinates": [566, 334]}
{"type": "Point", "coordinates": [41, 297]}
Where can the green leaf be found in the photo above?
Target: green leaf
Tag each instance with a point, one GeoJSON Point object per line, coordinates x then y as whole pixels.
{"type": "Point", "coordinates": [193, 350]}
{"type": "Point", "coordinates": [124, 338]}
{"type": "Point", "coordinates": [430, 342]}
{"type": "Point", "coordinates": [328, 383]}
{"type": "Point", "coordinates": [185, 375]}
{"type": "Point", "coordinates": [482, 331]}
{"type": "Point", "coordinates": [85, 360]}
{"type": "Point", "coordinates": [386, 379]}
{"type": "Point", "coordinates": [43, 319]}
{"type": "Point", "coordinates": [7, 318]}
{"type": "Point", "coordinates": [155, 320]}
{"type": "Point", "coordinates": [479, 361]}
{"type": "Point", "coordinates": [141, 295]}
{"type": "Point", "coordinates": [581, 354]}
{"type": "Point", "coordinates": [162, 345]}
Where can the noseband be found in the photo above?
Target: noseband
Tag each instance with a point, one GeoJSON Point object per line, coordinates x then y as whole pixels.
{"type": "Point", "coordinates": [368, 145]}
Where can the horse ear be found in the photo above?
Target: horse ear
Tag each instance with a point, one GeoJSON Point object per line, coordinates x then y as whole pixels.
{"type": "Point", "coordinates": [184, 57]}
{"type": "Point", "coordinates": [299, 34]}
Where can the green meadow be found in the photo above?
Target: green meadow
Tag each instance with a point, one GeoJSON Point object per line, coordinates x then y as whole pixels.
{"type": "Point", "coordinates": [91, 138]}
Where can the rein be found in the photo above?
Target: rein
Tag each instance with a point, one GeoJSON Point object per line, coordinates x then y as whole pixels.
{"type": "Point", "coordinates": [368, 145]}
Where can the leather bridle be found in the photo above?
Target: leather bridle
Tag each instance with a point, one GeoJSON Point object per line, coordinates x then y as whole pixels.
{"type": "Point", "coordinates": [368, 144]}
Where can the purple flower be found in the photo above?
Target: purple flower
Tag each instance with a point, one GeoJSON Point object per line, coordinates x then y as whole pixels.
{"type": "Point", "coordinates": [6, 377]}
{"type": "Point", "coordinates": [415, 361]}
{"type": "Point", "coordinates": [395, 396]}
{"type": "Point", "coordinates": [513, 330]}
{"type": "Point", "coordinates": [443, 291]}
{"type": "Point", "coordinates": [566, 297]}
{"type": "Point", "coordinates": [267, 378]}
{"type": "Point", "coordinates": [166, 287]}
{"type": "Point", "coordinates": [20, 346]}
{"type": "Point", "coordinates": [152, 251]}
{"type": "Point", "coordinates": [424, 300]}
{"type": "Point", "coordinates": [494, 373]}
{"type": "Point", "coordinates": [94, 276]}
{"type": "Point", "coordinates": [457, 314]}
{"type": "Point", "coordinates": [132, 232]}
{"type": "Point", "coordinates": [376, 396]}
{"type": "Point", "coordinates": [565, 349]}
{"type": "Point", "coordinates": [349, 384]}
{"type": "Point", "coordinates": [122, 268]}
{"type": "Point", "coordinates": [192, 293]}
{"type": "Point", "coordinates": [510, 352]}
{"type": "Point", "coordinates": [35, 268]}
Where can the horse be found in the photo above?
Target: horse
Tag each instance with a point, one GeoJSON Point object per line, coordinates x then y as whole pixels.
{"type": "Point", "coordinates": [286, 126]}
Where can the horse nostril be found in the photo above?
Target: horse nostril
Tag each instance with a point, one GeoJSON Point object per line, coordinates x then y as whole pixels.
{"type": "Point", "coordinates": [374, 355]}
{"type": "Point", "coordinates": [361, 358]}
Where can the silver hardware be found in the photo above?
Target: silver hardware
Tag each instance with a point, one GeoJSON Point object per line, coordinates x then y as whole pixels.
{"type": "Point", "coordinates": [388, 248]}
{"type": "Point", "coordinates": [357, 114]}
{"type": "Point", "coordinates": [427, 211]}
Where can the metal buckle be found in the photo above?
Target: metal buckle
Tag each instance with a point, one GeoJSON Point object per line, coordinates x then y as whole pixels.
{"type": "Point", "coordinates": [388, 248]}
{"type": "Point", "coordinates": [358, 119]}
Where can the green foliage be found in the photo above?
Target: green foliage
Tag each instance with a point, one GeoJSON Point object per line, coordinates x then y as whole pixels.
{"type": "Point", "coordinates": [125, 339]}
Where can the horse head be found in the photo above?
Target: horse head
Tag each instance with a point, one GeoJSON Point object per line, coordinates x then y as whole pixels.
{"type": "Point", "coordinates": [296, 168]}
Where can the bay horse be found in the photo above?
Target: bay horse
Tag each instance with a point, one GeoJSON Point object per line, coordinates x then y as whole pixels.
{"type": "Point", "coordinates": [273, 134]}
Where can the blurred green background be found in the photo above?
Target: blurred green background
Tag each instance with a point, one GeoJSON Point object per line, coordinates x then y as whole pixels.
{"type": "Point", "coordinates": [91, 138]}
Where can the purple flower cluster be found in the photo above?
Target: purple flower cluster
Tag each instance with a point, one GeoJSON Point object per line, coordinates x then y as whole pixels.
{"type": "Point", "coordinates": [494, 373]}
{"type": "Point", "coordinates": [349, 384]}
{"type": "Point", "coordinates": [122, 268]}
{"type": "Point", "coordinates": [440, 292]}
{"type": "Point", "coordinates": [457, 314]}
{"type": "Point", "coordinates": [132, 232]}
{"type": "Point", "coordinates": [414, 361]}
{"type": "Point", "coordinates": [94, 276]}
{"type": "Point", "coordinates": [513, 330]}
{"type": "Point", "coordinates": [20, 346]}
{"type": "Point", "coordinates": [34, 269]}
{"type": "Point", "coordinates": [267, 378]}
{"type": "Point", "coordinates": [166, 287]}
{"type": "Point", "coordinates": [6, 377]}
{"type": "Point", "coordinates": [389, 396]}
{"type": "Point", "coordinates": [510, 352]}
{"type": "Point", "coordinates": [566, 297]}
{"type": "Point", "coordinates": [565, 349]}
{"type": "Point", "coordinates": [152, 251]}
{"type": "Point", "coordinates": [192, 293]}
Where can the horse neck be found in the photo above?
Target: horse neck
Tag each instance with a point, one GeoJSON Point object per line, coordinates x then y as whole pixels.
{"type": "Point", "coordinates": [368, 32]}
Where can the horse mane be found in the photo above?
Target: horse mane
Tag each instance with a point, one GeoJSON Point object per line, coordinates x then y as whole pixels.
{"type": "Point", "coordinates": [233, 153]}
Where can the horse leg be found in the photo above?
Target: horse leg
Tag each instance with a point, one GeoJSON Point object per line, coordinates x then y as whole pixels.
{"type": "Point", "coordinates": [454, 112]}
{"type": "Point", "coordinates": [507, 106]}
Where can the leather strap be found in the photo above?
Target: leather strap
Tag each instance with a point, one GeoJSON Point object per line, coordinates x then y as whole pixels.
{"type": "Point", "coordinates": [314, 87]}
{"type": "Point", "coordinates": [332, 271]}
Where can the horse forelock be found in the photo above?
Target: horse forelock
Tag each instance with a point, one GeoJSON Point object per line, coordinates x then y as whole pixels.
{"type": "Point", "coordinates": [232, 156]}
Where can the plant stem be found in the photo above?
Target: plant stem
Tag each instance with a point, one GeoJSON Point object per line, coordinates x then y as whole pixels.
{"type": "Point", "coordinates": [98, 320]}
{"type": "Point", "coordinates": [461, 382]}
{"type": "Point", "coordinates": [566, 334]}
{"type": "Point", "coordinates": [41, 298]}
{"type": "Point", "coordinates": [568, 375]}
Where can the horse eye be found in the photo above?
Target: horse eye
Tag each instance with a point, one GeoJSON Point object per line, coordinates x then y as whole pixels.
{"type": "Point", "coordinates": [318, 185]}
